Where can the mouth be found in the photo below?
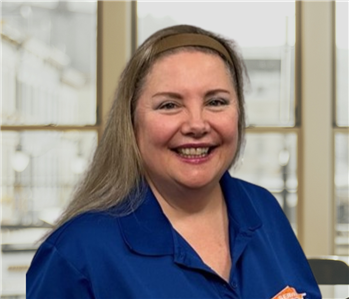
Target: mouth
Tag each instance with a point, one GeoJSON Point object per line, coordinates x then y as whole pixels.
{"type": "Point", "coordinates": [194, 152]}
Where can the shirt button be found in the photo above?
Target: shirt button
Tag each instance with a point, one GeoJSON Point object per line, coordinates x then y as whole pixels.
{"type": "Point", "coordinates": [234, 285]}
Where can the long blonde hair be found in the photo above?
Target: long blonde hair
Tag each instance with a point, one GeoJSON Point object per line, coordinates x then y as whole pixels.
{"type": "Point", "coordinates": [116, 170]}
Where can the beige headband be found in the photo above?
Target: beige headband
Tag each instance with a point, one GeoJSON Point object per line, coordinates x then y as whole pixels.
{"type": "Point", "coordinates": [191, 39]}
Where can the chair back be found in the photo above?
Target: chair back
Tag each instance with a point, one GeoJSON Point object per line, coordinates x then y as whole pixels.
{"type": "Point", "coordinates": [329, 270]}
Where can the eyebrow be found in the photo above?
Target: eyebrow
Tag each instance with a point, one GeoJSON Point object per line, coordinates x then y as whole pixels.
{"type": "Point", "coordinates": [178, 96]}
{"type": "Point", "coordinates": [169, 94]}
{"type": "Point", "coordinates": [215, 91]}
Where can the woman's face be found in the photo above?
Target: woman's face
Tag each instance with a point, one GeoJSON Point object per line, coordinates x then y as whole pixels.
{"type": "Point", "coordinates": [186, 121]}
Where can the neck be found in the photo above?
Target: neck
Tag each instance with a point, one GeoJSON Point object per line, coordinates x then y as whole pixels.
{"type": "Point", "coordinates": [183, 202]}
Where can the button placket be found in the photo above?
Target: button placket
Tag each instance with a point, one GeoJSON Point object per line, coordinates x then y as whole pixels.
{"type": "Point", "coordinates": [228, 290]}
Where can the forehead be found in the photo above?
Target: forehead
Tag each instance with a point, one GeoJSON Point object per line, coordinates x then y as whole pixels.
{"type": "Point", "coordinates": [177, 54]}
{"type": "Point", "coordinates": [188, 63]}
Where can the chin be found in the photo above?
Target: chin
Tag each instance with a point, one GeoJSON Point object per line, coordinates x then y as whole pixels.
{"type": "Point", "coordinates": [198, 182]}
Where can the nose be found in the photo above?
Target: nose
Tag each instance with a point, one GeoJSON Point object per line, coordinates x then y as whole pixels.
{"type": "Point", "coordinates": [196, 123]}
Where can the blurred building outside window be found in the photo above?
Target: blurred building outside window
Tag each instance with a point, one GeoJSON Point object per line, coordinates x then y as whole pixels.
{"type": "Point", "coordinates": [48, 111]}
{"type": "Point", "coordinates": [48, 121]}
{"type": "Point", "coordinates": [265, 33]}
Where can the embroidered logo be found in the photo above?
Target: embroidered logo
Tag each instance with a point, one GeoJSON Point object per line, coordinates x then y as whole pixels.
{"type": "Point", "coordinates": [289, 293]}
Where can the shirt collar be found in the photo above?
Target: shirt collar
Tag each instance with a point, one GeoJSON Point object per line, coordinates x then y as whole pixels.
{"type": "Point", "coordinates": [241, 210]}
{"type": "Point", "coordinates": [147, 230]}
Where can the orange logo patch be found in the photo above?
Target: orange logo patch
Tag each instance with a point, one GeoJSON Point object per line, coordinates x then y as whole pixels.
{"type": "Point", "coordinates": [289, 293]}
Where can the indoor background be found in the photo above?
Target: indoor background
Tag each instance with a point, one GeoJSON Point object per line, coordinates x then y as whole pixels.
{"type": "Point", "coordinates": [59, 69]}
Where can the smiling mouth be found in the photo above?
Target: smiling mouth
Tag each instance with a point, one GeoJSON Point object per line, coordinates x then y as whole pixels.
{"type": "Point", "coordinates": [198, 152]}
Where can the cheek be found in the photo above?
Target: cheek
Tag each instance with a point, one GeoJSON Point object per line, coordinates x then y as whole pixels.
{"type": "Point", "coordinates": [228, 127]}
{"type": "Point", "coordinates": [230, 132]}
{"type": "Point", "coordinates": [153, 132]}
{"type": "Point", "coordinates": [232, 137]}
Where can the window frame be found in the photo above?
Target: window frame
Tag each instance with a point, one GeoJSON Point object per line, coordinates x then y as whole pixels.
{"type": "Point", "coordinates": [110, 15]}
{"type": "Point", "coordinates": [116, 33]}
{"type": "Point", "coordinates": [313, 77]}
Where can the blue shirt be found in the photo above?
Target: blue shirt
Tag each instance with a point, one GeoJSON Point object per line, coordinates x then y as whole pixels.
{"type": "Point", "coordinates": [100, 255]}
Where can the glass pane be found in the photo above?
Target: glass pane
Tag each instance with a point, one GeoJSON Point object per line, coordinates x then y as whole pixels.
{"type": "Point", "coordinates": [270, 160]}
{"type": "Point", "coordinates": [342, 193]}
{"type": "Point", "coordinates": [48, 62]}
{"type": "Point", "coordinates": [39, 171]}
{"type": "Point", "coordinates": [265, 31]}
{"type": "Point", "coordinates": [342, 63]}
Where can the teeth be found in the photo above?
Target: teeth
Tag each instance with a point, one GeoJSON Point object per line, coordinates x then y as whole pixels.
{"type": "Point", "coordinates": [193, 152]}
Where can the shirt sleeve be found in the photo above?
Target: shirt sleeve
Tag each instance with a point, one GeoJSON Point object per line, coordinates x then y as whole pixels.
{"type": "Point", "coordinates": [52, 276]}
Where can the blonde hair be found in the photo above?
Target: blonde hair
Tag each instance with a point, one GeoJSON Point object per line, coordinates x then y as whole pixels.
{"type": "Point", "coordinates": [115, 176]}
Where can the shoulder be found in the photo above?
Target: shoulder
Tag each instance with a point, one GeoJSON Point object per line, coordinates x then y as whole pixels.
{"type": "Point", "coordinates": [250, 187]}
{"type": "Point", "coordinates": [257, 194]}
{"type": "Point", "coordinates": [71, 254]}
{"type": "Point", "coordinates": [91, 225]}
{"type": "Point", "coordinates": [89, 233]}
{"type": "Point", "coordinates": [252, 196]}
{"type": "Point", "coordinates": [81, 244]}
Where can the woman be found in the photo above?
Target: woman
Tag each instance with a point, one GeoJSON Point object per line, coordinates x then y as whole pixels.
{"type": "Point", "coordinates": [157, 214]}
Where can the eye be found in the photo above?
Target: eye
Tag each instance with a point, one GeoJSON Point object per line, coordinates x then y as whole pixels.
{"type": "Point", "coordinates": [168, 106]}
{"type": "Point", "coordinates": [216, 102]}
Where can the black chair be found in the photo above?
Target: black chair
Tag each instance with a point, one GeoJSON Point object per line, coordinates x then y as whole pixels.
{"type": "Point", "coordinates": [329, 270]}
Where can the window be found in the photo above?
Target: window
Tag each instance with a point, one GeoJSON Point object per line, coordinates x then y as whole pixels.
{"type": "Point", "coordinates": [287, 50]}
{"type": "Point", "coordinates": [266, 34]}
{"type": "Point", "coordinates": [49, 120]}
{"type": "Point", "coordinates": [341, 130]}
{"type": "Point", "coordinates": [48, 131]}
